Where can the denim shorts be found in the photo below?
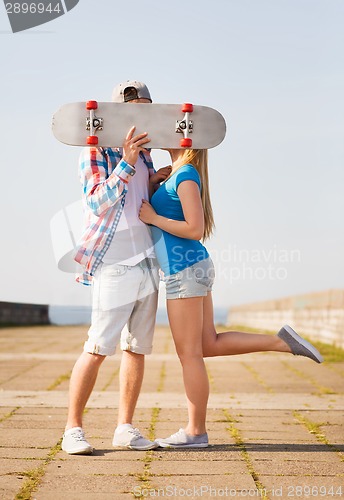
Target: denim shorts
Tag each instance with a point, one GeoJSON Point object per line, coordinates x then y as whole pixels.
{"type": "Point", "coordinates": [194, 281]}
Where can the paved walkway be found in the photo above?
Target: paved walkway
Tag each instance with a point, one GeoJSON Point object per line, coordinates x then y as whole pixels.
{"type": "Point", "coordinates": [275, 424]}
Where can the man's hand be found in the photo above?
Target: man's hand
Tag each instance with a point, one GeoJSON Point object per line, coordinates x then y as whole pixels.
{"type": "Point", "coordinates": [133, 145]}
{"type": "Point", "coordinates": [160, 175]}
{"type": "Point", "coordinates": [147, 213]}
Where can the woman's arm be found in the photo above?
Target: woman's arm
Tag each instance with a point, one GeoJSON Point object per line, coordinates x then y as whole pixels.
{"type": "Point", "coordinates": [193, 226]}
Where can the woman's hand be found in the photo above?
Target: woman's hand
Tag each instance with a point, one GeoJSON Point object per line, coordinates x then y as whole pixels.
{"type": "Point", "coordinates": [133, 145]}
{"type": "Point", "coordinates": [160, 175]}
{"type": "Point", "coordinates": [147, 213]}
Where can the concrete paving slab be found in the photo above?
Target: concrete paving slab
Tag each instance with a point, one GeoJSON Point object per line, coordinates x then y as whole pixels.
{"type": "Point", "coordinates": [81, 494]}
{"type": "Point", "coordinates": [9, 486]}
{"type": "Point", "coordinates": [275, 448]}
{"type": "Point", "coordinates": [304, 486]}
{"type": "Point", "coordinates": [48, 416]}
{"type": "Point", "coordinates": [29, 423]}
{"type": "Point", "coordinates": [310, 449]}
{"type": "Point", "coordinates": [17, 466]}
{"type": "Point", "coordinates": [323, 376]}
{"type": "Point", "coordinates": [6, 411]}
{"type": "Point", "coordinates": [299, 436]}
{"type": "Point", "coordinates": [257, 441]}
{"type": "Point", "coordinates": [30, 454]}
{"type": "Point", "coordinates": [241, 401]}
{"type": "Point", "coordinates": [297, 467]}
{"type": "Point", "coordinates": [195, 467]}
{"type": "Point", "coordinates": [334, 435]}
{"type": "Point", "coordinates": [312, 453]}
{"type": "Point", "coordinates": [50, 411]}
{"type": "Point", "coordinates": [333, 417]}
{"type": "Point", "coordinates": [12, 370]}
{"type": "Point", "coordinates": [85, 466]}
{"type": "Point", "coordinates": [97, 483]}
{"type": "Point", "coordinates": [214, 453]}
{"type": "Point", "coordinates": [35, 437]}
{"type": "Point", "coordinates": [195, 487]}
{"type": "Point", "coordinates": [105, 453]}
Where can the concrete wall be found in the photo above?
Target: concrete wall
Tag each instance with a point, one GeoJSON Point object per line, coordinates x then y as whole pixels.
{"type": "Point", "coordinates": [318, 315]}
{"type": "Point", "coordinates": [12, 313]}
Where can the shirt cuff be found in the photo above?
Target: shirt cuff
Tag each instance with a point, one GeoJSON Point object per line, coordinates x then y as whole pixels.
{"type": "Point", "coordinates": [124, 171]}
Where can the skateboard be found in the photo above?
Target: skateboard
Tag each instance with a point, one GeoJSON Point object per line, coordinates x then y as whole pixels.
{"type": "Point", "coordinates": [106, 124]}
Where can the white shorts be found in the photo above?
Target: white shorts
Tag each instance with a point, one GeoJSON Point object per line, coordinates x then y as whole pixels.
{"type": "Point", "coordinates": [124, 307]}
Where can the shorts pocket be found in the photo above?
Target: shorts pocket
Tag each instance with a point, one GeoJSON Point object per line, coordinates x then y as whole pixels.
{"type": "Point", "coordinates": [172, 283]}
{"type": "Point", "coordinates": [204, 272]}
{"type": "Point", "coordinates": [172, 278]}
{"type": "Point", "coordinates": [116, 287]}
{"type": "Point", "coordinates": [113, 270]}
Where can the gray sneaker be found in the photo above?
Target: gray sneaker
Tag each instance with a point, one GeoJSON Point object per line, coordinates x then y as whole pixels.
{"type": "Point", "coordinates": [182, 440]}
{"type": "Point", "coordinates": [131, 438]}
{"type": "Point", "coordinates": [298, 345]}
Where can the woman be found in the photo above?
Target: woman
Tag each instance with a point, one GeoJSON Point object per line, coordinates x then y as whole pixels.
{"type": "Point", "coordinates": [180, 214]}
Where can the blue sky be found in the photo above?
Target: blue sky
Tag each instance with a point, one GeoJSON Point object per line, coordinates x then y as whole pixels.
{"type": "Point", "coordinates": [273, 68]}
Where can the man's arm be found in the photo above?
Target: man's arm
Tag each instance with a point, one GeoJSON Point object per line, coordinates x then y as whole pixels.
{"type": "Point", "coordinates": [156, 178]}
{"type": "Point", "coordinates": [101, 190]}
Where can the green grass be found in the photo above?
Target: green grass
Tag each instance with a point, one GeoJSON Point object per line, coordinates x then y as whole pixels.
{"type": "Point", "coordinates": [9, 415]}
{"type": "Point", "coordinates": [330, 352]}
{"type": "Point", "coordinates": [59, 381]}
{"type": "Point", "coordinates": [235, 433]}
{"type": "Point", "coordinates": [35, 476]}
{"type": "Point", "coordinates": [315, 428]}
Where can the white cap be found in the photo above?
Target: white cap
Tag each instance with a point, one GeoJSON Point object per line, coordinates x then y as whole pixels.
{"type": "Point", "coordinates": [129, 90]}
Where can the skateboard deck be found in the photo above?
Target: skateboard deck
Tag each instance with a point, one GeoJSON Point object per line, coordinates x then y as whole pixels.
{"type": "Point", "coordinates": [106, 124]}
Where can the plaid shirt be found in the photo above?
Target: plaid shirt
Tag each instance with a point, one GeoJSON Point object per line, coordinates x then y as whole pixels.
{"type": "Point", "coordinates": [104, 176]}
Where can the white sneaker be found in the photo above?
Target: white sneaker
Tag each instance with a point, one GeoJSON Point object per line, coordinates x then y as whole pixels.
{"type": "Point", "coordinates": [127, 436]}
{"type": "Point", "coordinates": [74, 442]}
{"type": "Point", "coordinates": [182, 440]}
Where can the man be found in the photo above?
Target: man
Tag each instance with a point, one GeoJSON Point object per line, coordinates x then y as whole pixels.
{"type": "Point", "coordinates": [117, 254]}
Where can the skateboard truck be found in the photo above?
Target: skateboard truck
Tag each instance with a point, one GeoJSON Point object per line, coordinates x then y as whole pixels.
{"type": "Point", "coordinates": [93, 123]}
{"type": "Point", "coordinates": [185, 126]}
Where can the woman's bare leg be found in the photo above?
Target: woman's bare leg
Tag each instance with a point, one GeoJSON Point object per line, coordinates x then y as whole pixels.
{"type": "Point", "coordinates": [229, 343]}
{"type": "Point", "coordinates": [186, 322]}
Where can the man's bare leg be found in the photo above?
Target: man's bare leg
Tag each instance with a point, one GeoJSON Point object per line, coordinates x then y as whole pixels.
{"type": "Point", "coordinates": [82, 381]}
{"type": "Point", "coordinates": [130, 381]}
{"type": "Point", "coordinates": [131, 376]}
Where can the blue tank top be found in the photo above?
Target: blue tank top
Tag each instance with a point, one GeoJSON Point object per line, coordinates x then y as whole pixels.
{"type": "Point", "coordinates": [174, 253]}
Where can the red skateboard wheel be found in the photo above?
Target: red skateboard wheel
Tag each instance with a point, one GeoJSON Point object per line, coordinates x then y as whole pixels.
{"type": "Point", "coordinates": [187, 107]}
{"type": "Point", "coordinates": [91, 105]}
{"type": "Point", "coordinates": [185, 142]}
{"type": "Point", "coordinates": [92, 139]}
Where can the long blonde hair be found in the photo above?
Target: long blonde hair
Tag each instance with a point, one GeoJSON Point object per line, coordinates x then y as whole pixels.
{"type": "Point", "coordinates": [198, 158]}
